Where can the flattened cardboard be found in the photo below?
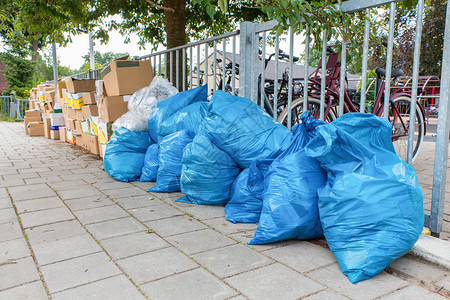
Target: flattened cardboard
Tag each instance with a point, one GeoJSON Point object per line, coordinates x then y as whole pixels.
{"type": "Point", "coordinates": [78, 114]}
{"type": "Point", "coordinates": [54, 134]}
{"type": "Point", "coordinates": [27, 120]}
{"type": "Point", "coordinates": [47, 125]}
{"type": "Point", "coordinates": [78, 128]}
{"type": "Point", "coordinates": [104, 132]}
{"type": "Point", "coordinates": [62, 134]}
{"type": "Point", "coordinates": [49, 96]}
{"type": "Point", "coordinates": [33, 114]}
{"type": "Point", "coordinates": [124, 77]}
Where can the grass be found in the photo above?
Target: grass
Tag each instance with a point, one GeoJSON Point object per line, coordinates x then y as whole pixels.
{"type": "Point", "coordinates": [6, 118]}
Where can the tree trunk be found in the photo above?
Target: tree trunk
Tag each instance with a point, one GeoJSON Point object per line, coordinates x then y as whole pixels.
{"type": "Point", "coordinates": [34, 49]}
{"type": "Point", "coordinates": [176, 36]}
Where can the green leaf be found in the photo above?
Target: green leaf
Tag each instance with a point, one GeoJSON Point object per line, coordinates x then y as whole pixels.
{"type": "Point", "coordinates": [211, 11]}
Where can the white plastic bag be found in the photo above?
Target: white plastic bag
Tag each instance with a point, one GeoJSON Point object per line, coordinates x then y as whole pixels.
{"type": "Point", "coordinates": [143, 101]}
{"type": "Point", "coordinates": [131, 121]}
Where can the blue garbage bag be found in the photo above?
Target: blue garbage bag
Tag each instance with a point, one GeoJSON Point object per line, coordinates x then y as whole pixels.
{"type": "Point", "coordinates": [189, 118]}
{"type": "Point", "coordinates": [371, 208]}
{"type": "Point", "coordinates": [207, 173]}
{"type": "Point", "coordinates": [170, 154]}
{"type": "Point", "coordinates": [151, 164]}
{"type": "Point", "coordinates": [243, 129]}
{"type": "Point", "coordinates": [246, 193]}
{"type": "Point", "coordinates": [166, 108]}
{"type": "Point", "coordinates": [124, 155]}
{"type": "Point", "coordinates": [290, 209]}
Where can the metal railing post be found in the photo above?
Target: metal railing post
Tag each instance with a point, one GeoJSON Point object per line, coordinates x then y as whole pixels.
{"type": "Point", "coordinates": [13, 106]}
{"type": "Point", "coordinates": [443, 127]}
{"type": "Point", "coordinates": [248, 64]}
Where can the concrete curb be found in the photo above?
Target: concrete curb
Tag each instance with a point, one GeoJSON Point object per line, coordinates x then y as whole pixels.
{"type": "Point", "coordinates": [433, 250]}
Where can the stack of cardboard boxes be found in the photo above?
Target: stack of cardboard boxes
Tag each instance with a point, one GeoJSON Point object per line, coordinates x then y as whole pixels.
{"type": "Point", "coordinates": [89, 107]}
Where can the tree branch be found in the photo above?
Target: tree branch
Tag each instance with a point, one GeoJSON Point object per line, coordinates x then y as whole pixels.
{"type": "Point", "coordinates": [160, 7]}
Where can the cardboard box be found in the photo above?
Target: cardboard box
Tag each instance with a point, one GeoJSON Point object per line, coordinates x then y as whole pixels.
{"type": "Point", "coordinates": [93, 125]}
{"type": "Point", "coordinates": [27, 120]}
{"type": "Point", "coordinates": [89, 98]}
{"type": "Point", "coordinates": [102, 150]}
{"type": "Point", "coordinates": [62, 88]}
{"type": "Point", "coordinates": [70, 123]}
{"type": "Point", "coordinates": [78, 129]}
{"type": "Point", "coordinates": [70, 136]}
{"type": "Point", "coordinates": [89, 111]}
{"type": "Point", "coordinates": [33, 114]}
{"type": "Point", "coordinates": [54, 133]}
{"type": "Point", "coordinates": [78, 114]}
{"type": "Point", "coordinates": [68, 99]}
{"type": "Point", "coordinates": [71, 113]}
{"type": "Point", "coordinates": [47, 125]}
{"type": "Point", "coordinates": [104, 132]}
{"type": "Point", "coordinates": [124, 77]}
{"type": "Point", "coordinates": [57, 119]}
{"type": "Point", "coordinates": [36, 128]}
{"type": "Point", "coordinates": [85, 127]}
{"type": "Point", "coordinates": [93, 145]}
{"type": "Point", "coordinates": [79, 85]}
{"type": "Point", "coordinates": [77, 100]}
{"type": "Point", "coordinates": [62, 134]}
{"type": "Point", "coordinates": [111, 108]}
{"type": "Point", "coordinates": [100, 88]}
{"type": "Point", "coordinates": [49, 96]}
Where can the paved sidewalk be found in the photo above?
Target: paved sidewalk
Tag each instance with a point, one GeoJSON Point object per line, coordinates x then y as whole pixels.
{"type": "Point", "coordinates": [69, 231]}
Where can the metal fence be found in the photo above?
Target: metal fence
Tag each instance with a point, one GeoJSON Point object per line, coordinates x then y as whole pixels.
{"type": "Point", "coordinates": [279, 83]}
{"type": "Point", "coordinates": [13, 108]}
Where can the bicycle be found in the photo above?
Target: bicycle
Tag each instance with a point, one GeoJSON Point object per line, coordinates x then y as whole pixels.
{"type": "Point", "coordinates": [399, 107]}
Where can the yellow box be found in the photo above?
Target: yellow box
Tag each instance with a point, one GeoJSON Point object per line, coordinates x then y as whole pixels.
{"type": "Point", "coordinates": [93, 125]}
{"type": "Point", "coordinates": [77, 101]}
{"type": "Point", "coordinates": [68, 97]}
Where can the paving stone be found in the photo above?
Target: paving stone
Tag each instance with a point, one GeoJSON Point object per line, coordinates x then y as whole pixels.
{"type": "Point", "coordinates": [5, 202]}
{"type": "Point", "coordinates": [70, 273]}
{"type": "Point", "coordinates": [48, 216]}
{"type": "Point", "coordinates": [68, 185]}
{"type": "Point", "coordinates": [85, 177]}
{"type": "Point", "coordinates": [55, 173]}
{"type": "Point", "coordinates": [413, 292]}
{"type": "Point", "coordinates": [12, 183]}
{"type": "Point", "coordinates": [33, 291]}
{"type": "Point", "coordinates": [112, 185]}
{"type": "Point", "coordinates": [226, 227]}
{"type": "Point", "coordinates": [156, 264]}
{"type": "Point", "coordinates": [10, 231]}
{"type": "Point", "coordinates": [272, 281]}
{"type": "Point", "coordinates": [46, 179]}
{"type": "Point", "coordinates": [377, 286]}
{"type": "Point", "coordinates": [14, 249]}
{"type": "Point", "coordinates": [37, 169]}
{"type": "Point", "coordinates": [444, 283]}
{"type": "Point", "coordinates": [172, 196]}
{"type": "Point", "coordinates": [307, 256]}
{"type": "Point", "coordinates": [38, 204]}
{"type": "Point", "coordinates": [139, 201]}
{"type": "Point", "coordinates": [245, 236]}
{"type": "Point", "coordinates": [80, 192]}
{"type": "Point", "coordinates": [156, 212]}
{"type": "Point", "coordinates": [198, 241]}
{"type": "Point", "coordinates": [114, 228]}
{"type": "Point", "coordinates": [125, 192]}
{"type": "Point", "coordinates": [34, 191]}
{"type": "Point", "coordinates": [231, 260]}
{"type": "Point", "coordinates": [326, 295]}
{"type": "Point", "coordinates": [203, 212]}
{"type": "Point", "coordinates": [53, 232]}
{"type": "Point", "coordinates": [89, 202]}
{"type": "Point", "coordinates": [425, 271]}
{"type": "Point", "coordinates": [7, 215]}
{"type": "Point", "coordinates": [133, 244]}
{"type": "Point", "coordinates": [195, 284]}
{"type": "Point", "coordinates": [143, 185]}
{"type": "Point", "coordinates": [63, 249]}
{"type": "Point", "coordinates": [17, 273]}
{"type": "Point", "coordinates": [114, 288]}
{"type": "Point", "coordinates": [175, 225]}
{"type": "Point", "coordinates": [100, 214]}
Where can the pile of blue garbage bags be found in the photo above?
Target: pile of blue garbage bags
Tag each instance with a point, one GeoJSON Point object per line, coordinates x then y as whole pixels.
{"type": "Point", "coordinates": [340, 181]}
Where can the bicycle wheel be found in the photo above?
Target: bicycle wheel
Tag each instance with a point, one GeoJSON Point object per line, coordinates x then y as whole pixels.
{"type": "Point", "coordinates": [399, 118]}
{"type": "Point", "coordinates": [297, 110]}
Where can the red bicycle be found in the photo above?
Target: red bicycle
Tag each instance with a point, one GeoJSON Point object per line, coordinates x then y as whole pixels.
{"type": "Point", "coordinates": [399, 107]}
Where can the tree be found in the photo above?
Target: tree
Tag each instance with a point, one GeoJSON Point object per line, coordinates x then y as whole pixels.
{"type": "Point", "coordinates": [20, 71]}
